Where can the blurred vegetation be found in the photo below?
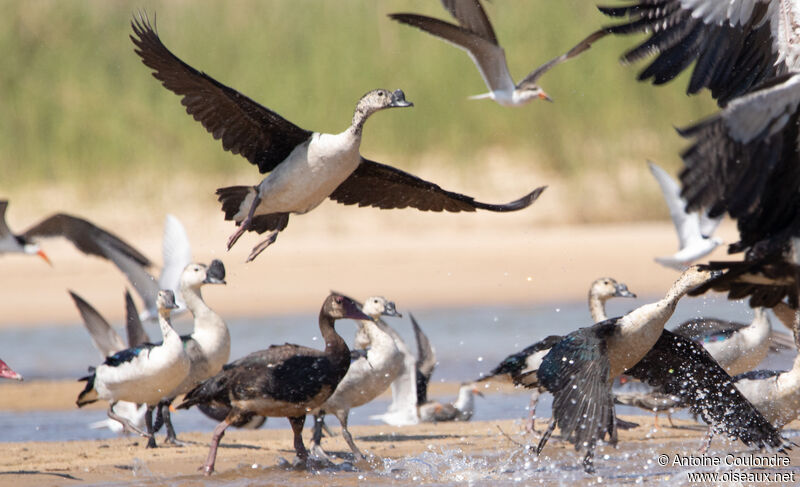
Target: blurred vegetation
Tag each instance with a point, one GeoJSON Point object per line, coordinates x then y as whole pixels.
{"type": "Point", "coordinates": [77, 104]}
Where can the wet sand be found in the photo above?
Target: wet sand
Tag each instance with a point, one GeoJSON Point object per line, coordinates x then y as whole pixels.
{"type": "Point", "coordinates": [486, 452]}
{"type": "Point", "coordinates": [439, 452]}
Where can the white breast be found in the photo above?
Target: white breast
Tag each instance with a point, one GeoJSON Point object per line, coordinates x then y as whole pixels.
{"type": "Point", "coordinates": [310, 174]}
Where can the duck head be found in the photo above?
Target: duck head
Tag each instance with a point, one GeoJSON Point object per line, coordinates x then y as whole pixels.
{"type": "Point", "coordinates": [165, 300]}
{"type": "Point", "coordinates": [376, 306]}
{"type": "Point", "coordinates": [378, 100]}
{"type": "Point", "coordinates": [607, 287]}
{"type": "Point", "coordinates": [338, 306]}
{"type": "Point", "coordinates": [196, 275]}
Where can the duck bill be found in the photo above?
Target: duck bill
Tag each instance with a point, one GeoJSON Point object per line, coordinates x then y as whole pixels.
{"type": "Point", "coordinates": [351, 310]}
{"type": "Point", "coordinates": [215, 273]}
{"type": "Point", "coordinates": [399, 99]}
{"type": "Point", "coordinates": [621, 291]}
{"type": "Point", "coordinates": [391, 310]}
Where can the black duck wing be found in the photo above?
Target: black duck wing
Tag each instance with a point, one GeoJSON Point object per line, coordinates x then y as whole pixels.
{"type": "Point", "coordinates": [385, 187]}
{"type": "Point", "coordinates": [733, 48]}
{"type": "Point", "coordinates": [766, 280]}
{"type": "Point", "coordinates": [520, 367]}
{"type": "Point", "coordinates": [245, 127]}
{"type": "Point", "coordinates": [682, 367]}
{"type": "Point", "coordinates": [704, 328]}
{"type": "Point", "coordinates": [576, 372]}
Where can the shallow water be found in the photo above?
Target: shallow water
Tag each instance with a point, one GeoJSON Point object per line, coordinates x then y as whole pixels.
{"type": "Point", "coordinates": [468, 342]}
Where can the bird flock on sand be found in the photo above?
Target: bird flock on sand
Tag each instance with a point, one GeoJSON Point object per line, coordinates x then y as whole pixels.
{"type": "Point", "coordinates": [743, 162]}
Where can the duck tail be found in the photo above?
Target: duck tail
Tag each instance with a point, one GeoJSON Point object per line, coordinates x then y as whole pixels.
{"type": "Point", "coordinates": [88, 395]}
{"type": "Point", "coordinates": [236, 201]}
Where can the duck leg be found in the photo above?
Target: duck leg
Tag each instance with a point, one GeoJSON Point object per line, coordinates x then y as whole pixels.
{"type": "Point", "coordinates": [148, 421]}
{"type": "Point", "coordinates": [219, 432]}
{"type": "Point", "coordinates": [171, 438]}
{"type": "Point", "coordinates": [263, 245]}
{"type": "Point", "coordinates": [245, 223]}
{"type": "Point", "coordinates": [126, 424]}
{"type": "Point", "coordinates": [531, 426]}
{"type": "Point", "coordinates": [342, 416]}
{"type": "Point", "coordinates": [316, 437]}
{"type": "Point", "coordinates": [297, 429]}
{"type": "Point", "coordinates": [707, 443]}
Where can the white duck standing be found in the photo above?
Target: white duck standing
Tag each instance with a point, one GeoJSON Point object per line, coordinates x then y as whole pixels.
{"type": "Point", "coordinates": [142, 374]}
{"type": "Point", "coordinates": [209, 345]}
{"type": "Point", "coordinates": [368, 377]}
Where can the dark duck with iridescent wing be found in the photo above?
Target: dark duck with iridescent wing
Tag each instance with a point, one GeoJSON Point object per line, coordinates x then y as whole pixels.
{"type": "Point", "coordinates": [521, 367]}
{"type": "Point", "coordinates": [283, 380]}
{"type": "Point", "coordinates": [305, 167]}
{"type": "Point", "coordinates": [579, 371]}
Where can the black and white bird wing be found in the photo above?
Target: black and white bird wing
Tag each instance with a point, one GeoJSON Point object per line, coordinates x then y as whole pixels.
{"type": "Point", "coordinates": [86, 236]}
{"type": "Point", "coordinates": [381, 186]}
{"type": "Point", "coordinates": [489, 57]}
{"type": "Point", "coordinates": [576, 372]}
{"type": "Point", "coordinates": [687, 224]}
{"type": "Point", "coordinates": [522, 366]}
{"type": "Point", "coordinates": [472, 17]}
{"type": "Point", "coordinates": [577, 49]}
{"type": "Point", "coordinates": [682, 367]}
{"type": "Point", "coordinates": [133, 325]}
{"type": "Point", "coordinates": [105, 339]}
{"type": "Point", "coordinates": [766, 281]}
{"type": "Point", "coordinates": [744, 161]}
{"type": "Point", "coordinates": [245, 127]}
{"type": "Point", "coordinates": [737, 44]}
{"type": "Point", "coordinates": [426, 357]}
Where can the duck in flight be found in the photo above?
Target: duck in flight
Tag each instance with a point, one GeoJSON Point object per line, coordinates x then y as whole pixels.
{"type": "Point", "coordinates": [474, 34]}
{"type": "Point", "coordinates": [305, 167]}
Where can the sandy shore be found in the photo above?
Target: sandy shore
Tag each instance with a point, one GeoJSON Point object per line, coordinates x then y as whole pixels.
{"type": "Point", "coordinates": [446, 454]}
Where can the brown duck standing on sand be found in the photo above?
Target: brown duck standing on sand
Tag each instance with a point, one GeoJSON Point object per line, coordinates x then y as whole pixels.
{"type": "Point", "coordinates": [283, 380]}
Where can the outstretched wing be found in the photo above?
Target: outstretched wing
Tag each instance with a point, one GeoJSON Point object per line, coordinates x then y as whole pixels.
{"type": "Point", "coordinates": [382, 186]}
{"type": "Point", "coordinates": [577, 49]}
{"type": "Point", "coordinates": [257, 133]}
{"type": "Point", "coordinates": [86, 236]}
{"type": "Point", "coordinates": [684, 368]}
{"type": "Point", "coordinates": [737, 44]}
{"type": "Point", "coordinates": [576, 372]}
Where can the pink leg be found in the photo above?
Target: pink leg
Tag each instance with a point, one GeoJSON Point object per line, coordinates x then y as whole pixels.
{"type": "Point", "coordinates": [263, 245]}
{"type": "Point", "coordinates": [245, 223]}
{"type": "Point", "coordinates": [219, 432]}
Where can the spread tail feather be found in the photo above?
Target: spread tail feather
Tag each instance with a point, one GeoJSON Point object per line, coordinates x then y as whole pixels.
{"type": "Point", "coordinates": [236, 200]}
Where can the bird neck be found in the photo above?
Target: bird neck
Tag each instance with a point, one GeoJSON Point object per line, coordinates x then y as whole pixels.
{"type": "Point", "coordinates": [597, 307]}
{"type": "Point", "coordinates": [360, 117]}
{"type": "Point", "coordinates": [167, 332]}
{"type": "Point", "coordinates": [335, 346]}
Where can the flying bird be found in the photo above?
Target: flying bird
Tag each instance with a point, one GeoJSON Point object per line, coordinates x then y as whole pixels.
{"type": "Point", "coordinates": [304, 167]}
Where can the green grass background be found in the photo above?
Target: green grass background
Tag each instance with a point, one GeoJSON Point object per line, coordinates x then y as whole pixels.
{"type": "Point", "coordinates": [77, 105]}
